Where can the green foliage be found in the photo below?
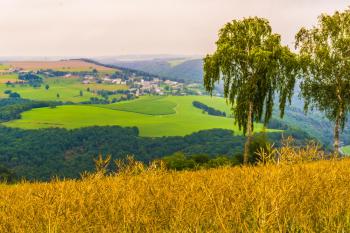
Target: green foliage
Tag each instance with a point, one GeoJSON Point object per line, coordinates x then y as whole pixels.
{"type": "Point", "coordinates": [32, 79]}
{"type": "Point", "coordinates": [14, 95]}
{"type": "Point", "coordinates": [179, 161]}
{"type": "Point", "coordinates": [209, 110]}
{"type": "Point", "coordinates": [6, 175]}
{"type": "Point", "coordinates": [325, 62]}
{"type": "Point", "coordinates": [253, 66]}
{"type": "Point", "coordinates": [44, 153]}
{"type": "Point", "coordinates": [11, 109]}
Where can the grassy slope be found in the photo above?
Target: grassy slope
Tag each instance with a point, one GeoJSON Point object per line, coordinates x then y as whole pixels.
{"type": "Point", "coordinates": [66, 88]}
{"type": "Point", "coordinates": [150, 105]}
{"type": "Point", "coordinates": [311, 197]}
{"type": "Point", "coordinates": [187, 119]}
{"type": "Point", "coordinates": [346, 150]}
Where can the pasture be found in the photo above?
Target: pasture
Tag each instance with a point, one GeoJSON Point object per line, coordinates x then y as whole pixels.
{"type": "Point", "coordinates": [67, 88]}
{"type": "Point", "coordinates": [152, 122]}
{"type": "Point", "coordinates": [150, 105]}
{"type": "Point", "coordinates": [346, 150]}
{"type": "Point", "coordinates": [4, 67]}
{"type": "Point", "coordinates": [4, 78]}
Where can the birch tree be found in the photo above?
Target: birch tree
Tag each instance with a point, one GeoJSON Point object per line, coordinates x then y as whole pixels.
{"type": "Point", "coordinates": [325, 61]}
{"type": "Point", "coordinates": [253, 66]}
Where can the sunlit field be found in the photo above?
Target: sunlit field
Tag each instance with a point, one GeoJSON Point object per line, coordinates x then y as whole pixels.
{"type": "Point", "coordinates": [146, 113]}
{"type": "Point", "coordinates": [312, 197]}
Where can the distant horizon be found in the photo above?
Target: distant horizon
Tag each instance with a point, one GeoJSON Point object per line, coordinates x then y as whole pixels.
{"type": "Point", "coordinates": [125, 57]}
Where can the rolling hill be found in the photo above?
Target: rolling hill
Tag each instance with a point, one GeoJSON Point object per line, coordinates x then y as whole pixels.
{"type": "Point", "coordinates": [187, 69]}
{"type": "Point", "coordinates": [155, 117]}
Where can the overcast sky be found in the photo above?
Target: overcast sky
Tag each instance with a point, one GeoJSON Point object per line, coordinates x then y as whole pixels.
{"type": "Point", "coordinates": [119, 27]}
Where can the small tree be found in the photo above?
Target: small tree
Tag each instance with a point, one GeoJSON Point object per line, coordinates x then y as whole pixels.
{"type": "Point", "coordinates": [81, 93]}
{"type": "Point", "coordinates": [14, 95]}
{"type": "Point", "coordinates": [58, 95]}
{"type": "Point", "coordinates": [253, 66]}
{"type": "Point", "coordinates": [47, 86]}
{"type": "Point", "coordinates": [325, 62]}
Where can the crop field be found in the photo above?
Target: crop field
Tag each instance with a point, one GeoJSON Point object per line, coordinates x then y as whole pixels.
{"type": "Point", "coordinates": [64, 65]}
{"type": "Point", "coordinates": [307, 197]}
{"type": "Point", "coordinates": [4, 78]}
{"type": "Point", "coordinates": [98, 86]}
{"type": "Point", "coordinates": [152, 123]}
{"type": "Point", "coordinates": [67, 88]}
{"type": "Point", "coordinates": [4, 67]}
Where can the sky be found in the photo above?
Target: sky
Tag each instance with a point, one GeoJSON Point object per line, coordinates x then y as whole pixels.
{"type": "Point", "coordinates": [93, 28]}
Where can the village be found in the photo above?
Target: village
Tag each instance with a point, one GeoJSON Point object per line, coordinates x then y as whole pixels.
{"type": "Point", "coordinates": [135, 85]}
{"type": "Point", "coordinates": [138, 85]}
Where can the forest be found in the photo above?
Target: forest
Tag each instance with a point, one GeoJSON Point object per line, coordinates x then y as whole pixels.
{"type": "Point", "coordinates": [46, 153]}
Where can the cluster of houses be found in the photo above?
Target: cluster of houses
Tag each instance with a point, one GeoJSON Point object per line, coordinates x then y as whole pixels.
{"type": "Point", "coordinates": [87, 79]}
{"type": "Point", "coordinates": [138, 85]}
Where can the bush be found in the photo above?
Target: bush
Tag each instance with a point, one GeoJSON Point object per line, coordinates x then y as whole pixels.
{"type": "Point", "coordinates": [14, 95]}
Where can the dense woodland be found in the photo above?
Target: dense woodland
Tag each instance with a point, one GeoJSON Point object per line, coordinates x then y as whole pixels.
{"type": "Point", "coordinates": [44, 153]}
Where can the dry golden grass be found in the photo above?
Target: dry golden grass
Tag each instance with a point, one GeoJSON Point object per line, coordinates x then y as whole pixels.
{"type": "Point", "coordinates": [64, 65]}
{"type": "Point", "coordinates": [301, 197]}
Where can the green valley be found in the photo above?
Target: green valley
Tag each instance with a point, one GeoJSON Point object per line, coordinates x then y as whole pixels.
{"type": "Point", "coordinates": [146, 113]}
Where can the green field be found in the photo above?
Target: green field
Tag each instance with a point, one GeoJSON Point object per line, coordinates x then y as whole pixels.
{"type": "Point", "coordinates": [185, 120]}
{"type": "Point", "coordinates": [346, 150]}
{"type": "Point", "coordinates": [67, 88]}
{"type": "Point", "coordinates": [150, 105]}
{"type": "Point", "coordinates": [4, 67]}
{"type": "Point", "coordinates": [107, 87]}
{"type": "Point", "coordinates": [8, 77]}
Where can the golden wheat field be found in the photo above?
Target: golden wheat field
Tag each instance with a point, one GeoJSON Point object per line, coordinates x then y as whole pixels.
{"type": "Point", "coordinates": [308, 197]}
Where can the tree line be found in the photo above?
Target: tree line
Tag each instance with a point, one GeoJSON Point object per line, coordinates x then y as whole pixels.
{"type": "Point", "coordinates": [255, 67]}
{"type": "Point", "coordinates": [208, 109]}
{"type": "Point", "coordinates": [45, 153]}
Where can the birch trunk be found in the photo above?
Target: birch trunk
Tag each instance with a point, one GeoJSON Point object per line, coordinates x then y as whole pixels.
{"type": "Point", "coordinates": [249, 134]}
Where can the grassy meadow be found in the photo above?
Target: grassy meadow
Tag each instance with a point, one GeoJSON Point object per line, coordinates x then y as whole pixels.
{"type": "Point", "coordinates": [67, 88]}
{"type": "Point", "coordinates": [346, 150]}
{"type": "Point", "coordinates": [150, 105]}
{"type": "Point", "coordinates": [4, 67]}
{"type": "Point", "coordinates": [4, 78]}
{"type": "Point", "coordinates": [146, 113]}
{"type": "Point", "coordinates": [306, 197]}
